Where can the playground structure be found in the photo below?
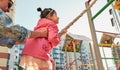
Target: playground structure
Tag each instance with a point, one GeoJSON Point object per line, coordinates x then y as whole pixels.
{"type": "Point", "coordinates": [96, 62]}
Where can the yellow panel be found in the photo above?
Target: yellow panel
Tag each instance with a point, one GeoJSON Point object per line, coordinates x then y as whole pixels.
{"type": "Point", "coordinates": [117, 5]}
{"type": "Point", "coordinates": [109, 45]}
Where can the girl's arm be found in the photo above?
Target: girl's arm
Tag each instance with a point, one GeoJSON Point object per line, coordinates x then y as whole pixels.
{"type": "Point", "coordinates": [53, 37]}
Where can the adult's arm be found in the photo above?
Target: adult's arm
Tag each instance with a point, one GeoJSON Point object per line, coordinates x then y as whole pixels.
{"type": "Point", "coordinates": [41, 33]}
{"type": "Point", "coordinates": [20, 33]}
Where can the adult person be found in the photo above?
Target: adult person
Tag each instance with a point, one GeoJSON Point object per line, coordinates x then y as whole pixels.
{"type": "Point", "coordinates": [9, 34]}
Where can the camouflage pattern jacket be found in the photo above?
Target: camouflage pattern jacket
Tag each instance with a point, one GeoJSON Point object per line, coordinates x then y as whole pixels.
{"type": "Point", "coordinates": [10, 33]}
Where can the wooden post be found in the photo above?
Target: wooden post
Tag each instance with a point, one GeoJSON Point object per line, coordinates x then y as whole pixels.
{"type": "Point", "coordinates": [94, 38]}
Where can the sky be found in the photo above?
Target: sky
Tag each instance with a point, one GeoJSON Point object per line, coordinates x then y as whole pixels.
{"type": "Point", "coordinates": [26, 15]}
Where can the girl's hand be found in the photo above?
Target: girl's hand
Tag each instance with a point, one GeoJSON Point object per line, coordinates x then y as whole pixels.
{"type": "Point", "coordinates": [62, 32]}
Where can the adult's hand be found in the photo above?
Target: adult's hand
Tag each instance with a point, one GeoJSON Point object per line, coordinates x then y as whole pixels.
{"type": "Point", "coordinates": [41, 33]}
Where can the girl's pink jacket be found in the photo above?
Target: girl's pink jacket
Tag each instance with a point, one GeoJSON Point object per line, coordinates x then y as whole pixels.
{"type": "Point", "coordinates": [41, 47]}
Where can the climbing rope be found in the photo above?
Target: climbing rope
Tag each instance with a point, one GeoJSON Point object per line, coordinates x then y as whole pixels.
{"type": "Point", "coordinates": [80, 15]}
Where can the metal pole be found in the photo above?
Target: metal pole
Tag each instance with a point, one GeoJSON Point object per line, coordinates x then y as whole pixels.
{"type": "Point", "coordinates": [116, 55]}
{"type": "Point", "coordinates": [94, 38]}
{"type": "Point", "coordinates": [102, 9]}
{"type": "Point", "coordinates": [67, 62]}
{"type": "Point", "coordinates": [91, 52]}
{"type": "Point", "coordinates": [82, 61]}
{"type": "Point", "coordinates": [72, 66]}
{"type": "Point", "coordinates": [105, 57]}
{"type": "Point", "coordinates": [75, 55]}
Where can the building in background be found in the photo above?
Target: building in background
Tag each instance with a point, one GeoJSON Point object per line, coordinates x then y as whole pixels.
{"type": "Point", "coordinates": [115, 22]}
{"type": "Point", "coordinates": [83, 57]}
{"type": "Point", "coordinates": [59, 56]}
{"type": "Point", "coordinates": [14, 57]}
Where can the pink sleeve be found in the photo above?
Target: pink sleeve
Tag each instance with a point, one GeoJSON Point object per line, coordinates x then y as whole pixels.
{"type": "Point", "coordinates": [53, 35]}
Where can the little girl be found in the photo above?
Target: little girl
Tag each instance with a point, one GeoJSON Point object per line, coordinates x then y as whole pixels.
{"type": "Point", "coordinates": [36, 53]}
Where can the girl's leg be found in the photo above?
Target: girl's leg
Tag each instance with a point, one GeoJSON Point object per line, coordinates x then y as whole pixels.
{"type": "Point", "coordinates": [32, 63]}
{"type": "Point", "coordinates": [46, 65]}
